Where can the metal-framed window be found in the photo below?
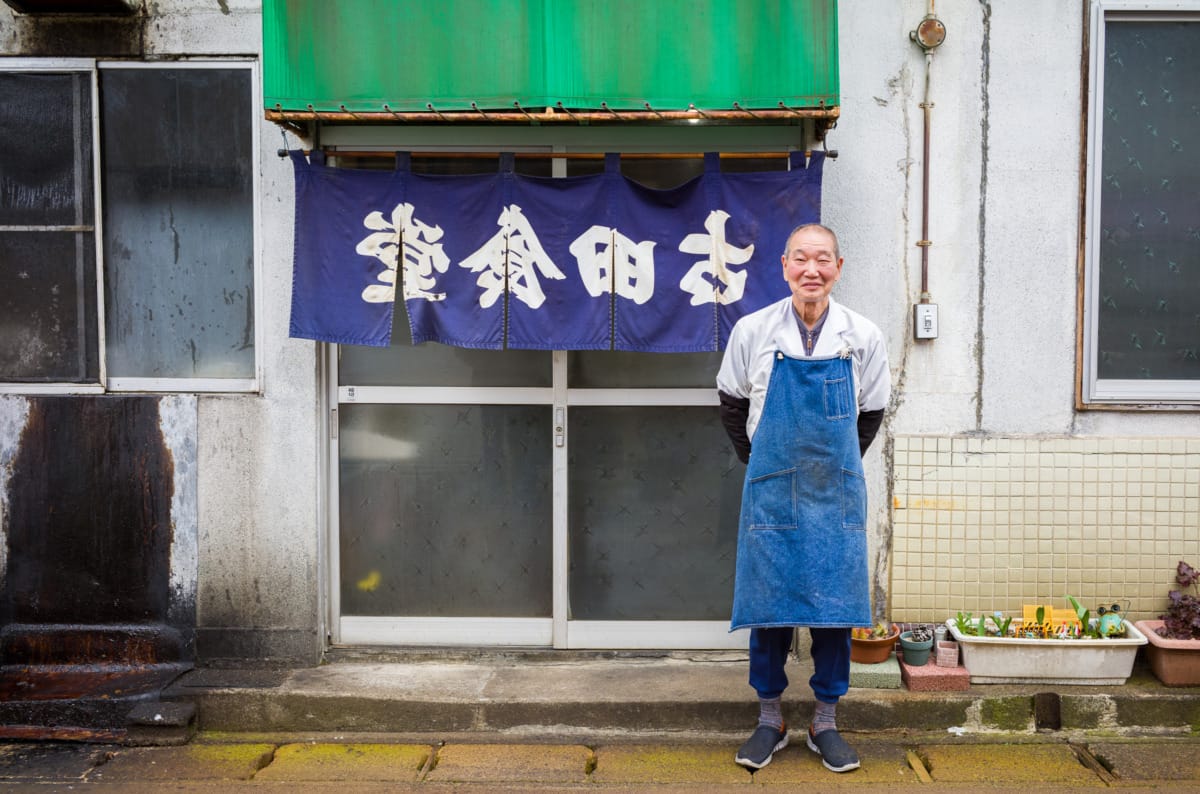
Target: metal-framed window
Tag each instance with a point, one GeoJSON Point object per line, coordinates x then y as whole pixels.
{"type": "Point", "coordinates": [129, 225]}
{"type": "Point", "coordinates": [1141, 303]}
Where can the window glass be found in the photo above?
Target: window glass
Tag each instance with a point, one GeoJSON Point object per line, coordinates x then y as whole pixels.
{"type": "Point", "coordinates": [445, 165]}
{"type": "Point", "coordinates": [178, 222]}
{"type": "Point", "coordinates": [47, 253]}
{"type": "Point", "coordinates": [48, 307]}
{"type": "Point", "coordinates": [654, 500]}
{"type": "Point", "coordinates": [1148, 274]}
{"type": "Point", "coordinates": [618, 369]}
{"type": "Point", "coordinates": [445, 510]}
{"type": "Point", "coordinates": [45, 149]}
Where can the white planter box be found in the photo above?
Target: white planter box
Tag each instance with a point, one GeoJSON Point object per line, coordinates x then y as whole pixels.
{"type": "Point", "coordinates": [1013, 660]}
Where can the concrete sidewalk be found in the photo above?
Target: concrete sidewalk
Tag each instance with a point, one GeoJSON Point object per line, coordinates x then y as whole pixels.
{"type": "Point", "coordinates": [537, 721]}
{"type": "Point", "coordinates": [594, 696]}
{"type": "Point", "coordinates": [916, 762]}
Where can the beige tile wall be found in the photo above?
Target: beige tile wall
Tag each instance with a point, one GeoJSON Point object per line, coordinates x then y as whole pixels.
{"type": "Point", "coordinates": [983, 523]}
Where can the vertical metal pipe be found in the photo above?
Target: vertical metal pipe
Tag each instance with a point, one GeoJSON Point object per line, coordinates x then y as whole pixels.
{"type": "Point", "coordinates": [924, 243]}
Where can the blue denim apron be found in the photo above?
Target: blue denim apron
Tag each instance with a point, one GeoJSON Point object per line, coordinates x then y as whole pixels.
{"type": "Point", "coordinates": [802, 541]}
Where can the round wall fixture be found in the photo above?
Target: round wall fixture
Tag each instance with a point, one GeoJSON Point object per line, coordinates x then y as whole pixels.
{"type": "Point", "coordinates": [930, 33]}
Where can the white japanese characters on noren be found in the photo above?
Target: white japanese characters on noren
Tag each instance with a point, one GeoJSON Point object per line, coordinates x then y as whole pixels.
{"type": "Point", "coordinates": [526, 258]}
{"type": "Point", "coordinates": [720, 255]}
{"type": "Point", "coordinates": [606, 259]}
{"type": "Point", "coordinates": [423, 255]}
{"type": "Point", "coordinates": [632, 264]}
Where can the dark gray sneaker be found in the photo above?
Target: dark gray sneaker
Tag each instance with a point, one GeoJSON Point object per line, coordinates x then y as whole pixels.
{"type": "Point", "coordinates": [762, 744]}
{"type": "Point", "coordinates": [836, 755]}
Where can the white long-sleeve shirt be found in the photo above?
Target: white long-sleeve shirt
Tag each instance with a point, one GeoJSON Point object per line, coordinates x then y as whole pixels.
{"type": "Point", "coordinates": [749, 357]}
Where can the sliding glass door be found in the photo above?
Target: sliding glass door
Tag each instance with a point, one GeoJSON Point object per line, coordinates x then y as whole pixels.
{"type": "Point", "coordinates": [530, 498]}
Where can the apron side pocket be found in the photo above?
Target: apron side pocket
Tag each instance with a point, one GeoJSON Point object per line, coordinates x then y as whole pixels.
{"type": "Point", "coordinates": [773, 500]}
{"type": "Point", "coordinates": [854, 500]}
{"type": "Point", "coordinates": [838, 402]}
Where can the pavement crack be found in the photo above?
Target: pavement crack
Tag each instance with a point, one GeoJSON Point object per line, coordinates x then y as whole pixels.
{"type": "Point", "coordinates": [919, 766]}
{"type": "Point", "coordinates": [1093, 763]}
{"type": "Point", "coordinates": [431, 761]}
{"type": "Point", "coordinates": [264, 761]}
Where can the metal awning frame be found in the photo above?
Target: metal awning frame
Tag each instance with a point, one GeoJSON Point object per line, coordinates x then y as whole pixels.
{"type": "Point", "coordinates": [825, 117]}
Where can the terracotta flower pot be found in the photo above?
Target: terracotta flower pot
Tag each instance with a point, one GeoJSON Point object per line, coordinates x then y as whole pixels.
{"type": "Point", "coordinates": [1174, 662]}
{"type": "Point", "coordinates": [867, 651]}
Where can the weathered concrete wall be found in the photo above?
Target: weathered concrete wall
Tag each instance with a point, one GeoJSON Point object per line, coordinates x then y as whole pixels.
{"type": "Point", "coordinates": [258, 584]}
{"type": "Point", "coordinates": [1032, 197]}
{"type": "Point", "coordinates": [1004, 204]}
{"type": "Point", "coordinates": [1004, 213]}
{"type": "Point", "coordinates": [1004, 219]}
{"type": "Point", "coordinates": [253, 577]}
{"type": "Point", "coordinates": [258, 454]}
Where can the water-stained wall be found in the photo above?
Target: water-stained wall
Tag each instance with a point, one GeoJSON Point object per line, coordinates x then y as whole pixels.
{"type": "Point", "coordinates": [98, 528]}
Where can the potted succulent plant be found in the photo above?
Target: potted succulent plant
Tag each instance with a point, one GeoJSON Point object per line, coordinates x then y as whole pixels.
{"type": "Point", "coordinates": [1174, 649]}
{"type": "Point", "coordinates": [1046, 646]}
{"type": "Point", "coordinates": [916, 645]}
{"type": "Point", "coordinates": [873, 645]}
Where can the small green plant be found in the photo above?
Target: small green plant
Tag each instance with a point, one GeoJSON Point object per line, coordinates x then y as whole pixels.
{"type": "Point", "coordinates": [1086, 629]}
{"type": "Point", "coordinates": [1002, 623]}
{"type": "Point", "coordinates": [967, 624]}
{"type": "Point", "coordinates": [922, 633]}
{"type": "Point", "coordinates": [981, 629]}
{"type": "Point", "coordinates": [962, 622]}
{"type": "Point", "coordinates": [877, 632]}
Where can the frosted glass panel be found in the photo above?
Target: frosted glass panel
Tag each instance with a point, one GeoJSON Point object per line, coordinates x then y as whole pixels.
{"type": "Point", "coordinates": [445, 510]}
{"type": "Point", "coordinates": [654, 501]}
{"type": "Point", "coordinates": [623, 370]}
{"type": "Point", "coordinates": [1149, 285]}
{"type": "Point", "coordinates": [178, 222]}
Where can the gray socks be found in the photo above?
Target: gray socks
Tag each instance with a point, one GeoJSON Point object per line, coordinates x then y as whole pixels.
{"type": "Point", "coordinates": [770, 712]}
{"type": "Point", "coordinates": [824, 717]}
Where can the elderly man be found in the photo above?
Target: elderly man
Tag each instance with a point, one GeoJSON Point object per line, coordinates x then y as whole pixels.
{"type": "Point", "coordinates": [803, 385]}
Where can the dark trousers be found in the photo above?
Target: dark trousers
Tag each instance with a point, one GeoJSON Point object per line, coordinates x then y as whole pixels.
{"type": "Point", "coordinates": [831, 660]}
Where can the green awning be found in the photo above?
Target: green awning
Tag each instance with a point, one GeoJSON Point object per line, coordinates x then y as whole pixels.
{"type": "Point", "coordinates": [393, 57]}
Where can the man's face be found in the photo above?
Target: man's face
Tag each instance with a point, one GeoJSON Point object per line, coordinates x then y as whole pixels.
{"type": "Point", "coordinates": [811, 266]}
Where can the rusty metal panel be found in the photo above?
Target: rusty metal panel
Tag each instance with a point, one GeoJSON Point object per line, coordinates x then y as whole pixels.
{"type": "Point", "coordinates": [93, 493]}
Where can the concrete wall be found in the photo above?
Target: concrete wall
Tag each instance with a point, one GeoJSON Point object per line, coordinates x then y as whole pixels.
{"type": "Point", "coordinates": [1008, 92]}
{"type": "Point", "coordinates": [1004, 210]}
{"type": "Point", "coordinates": [257, 454]}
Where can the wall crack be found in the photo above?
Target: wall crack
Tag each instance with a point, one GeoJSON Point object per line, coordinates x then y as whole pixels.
{"type": "Point", "coordinates": [984, 123]}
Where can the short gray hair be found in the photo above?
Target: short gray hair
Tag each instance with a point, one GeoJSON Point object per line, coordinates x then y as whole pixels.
{"type": "Point", "coordinates": [837, 254]}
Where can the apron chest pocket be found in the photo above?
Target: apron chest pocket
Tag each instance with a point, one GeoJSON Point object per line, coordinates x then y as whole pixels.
{"type": "Point", "coordinates": [773, 500]}
{"type": "Point", "coordinates": [838, 399]}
